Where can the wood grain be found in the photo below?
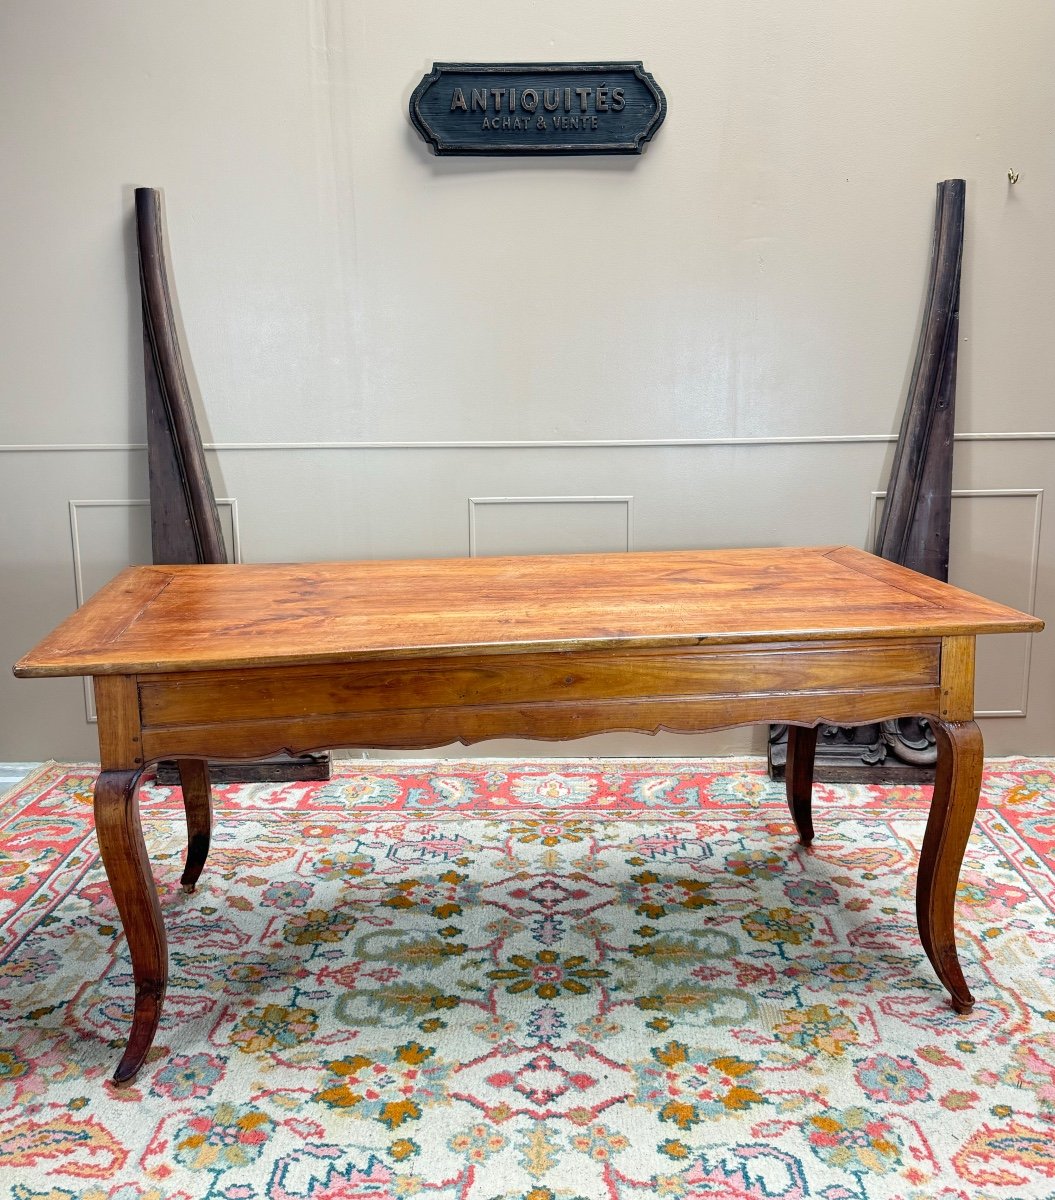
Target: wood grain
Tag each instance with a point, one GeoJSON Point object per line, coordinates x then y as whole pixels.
{"type": "Point", "coordinates": [533, 678]}
{"type": "Point", "coordinates": [798, 778]}
{"type": "Point", "coordinates": [124, 856]}
{"type": "Point", "coordinates": [237, 662]}
{"type": "Point", "coordinates": [197, 804]}
{"type": "Point", "coordinates": [421, 728]}
{"type": "Point", "coordinates": [184, 520]}
{"type": "Point", "coordinates": [957, 678]}
{"type": "Point", "coordinates": [117, 705]}
{"type": "Point", "coordinates": [957, 782]}
{"type": "Point", "coordinates": [914, 527]}
{"type": "Point", "coordinates": [203, 617]}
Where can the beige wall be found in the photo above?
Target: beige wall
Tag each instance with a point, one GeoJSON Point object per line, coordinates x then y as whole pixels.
{"type": "Point", "coordinates": [705, 346]}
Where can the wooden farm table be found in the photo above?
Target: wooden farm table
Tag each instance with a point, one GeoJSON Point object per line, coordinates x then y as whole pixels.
{"type": "Point", "coordinates": [240, 662]}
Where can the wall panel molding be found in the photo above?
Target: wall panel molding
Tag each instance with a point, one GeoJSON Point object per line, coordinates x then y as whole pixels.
{"type": "Point", "coordinates": [838, 439]}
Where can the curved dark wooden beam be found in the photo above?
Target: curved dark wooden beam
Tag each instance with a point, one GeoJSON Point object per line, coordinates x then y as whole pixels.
{"type": "Point", "coordinates": [914, 529]}
{"type": "Point", "coordinates": [185, 523]}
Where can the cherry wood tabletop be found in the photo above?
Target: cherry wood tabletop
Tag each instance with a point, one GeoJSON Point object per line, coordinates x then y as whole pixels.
{"type": "Point", "coordinates": [186, 618]}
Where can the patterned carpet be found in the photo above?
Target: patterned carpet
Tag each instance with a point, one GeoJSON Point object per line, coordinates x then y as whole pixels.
{"type": "Point", "coordinates": [535, 981]}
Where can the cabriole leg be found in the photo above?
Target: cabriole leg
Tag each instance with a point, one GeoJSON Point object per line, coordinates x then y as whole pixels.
{"type": "Point", "coordinates": [798, 778]}
{"type": "Point", "coordinates": [197, 802]}
{"type": "Point", "coordinates": [124, 856]}
{"type": "Point", "coordinates": [957, 782]}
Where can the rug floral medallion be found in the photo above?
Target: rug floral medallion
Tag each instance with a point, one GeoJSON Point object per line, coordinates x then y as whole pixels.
{"type": "Point", "coordinates": [498, 980]}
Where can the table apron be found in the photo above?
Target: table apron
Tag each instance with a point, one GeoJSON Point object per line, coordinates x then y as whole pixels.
{"type": "Point", "coordinates": [436, 700]}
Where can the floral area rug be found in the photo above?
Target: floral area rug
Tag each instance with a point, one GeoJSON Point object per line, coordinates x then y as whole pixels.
{"type": "Point", "coordinates": [585, 980]}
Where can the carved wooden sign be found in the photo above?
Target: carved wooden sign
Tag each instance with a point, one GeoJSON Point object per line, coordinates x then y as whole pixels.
{"type": "Point", "coordinates": [538, 108]}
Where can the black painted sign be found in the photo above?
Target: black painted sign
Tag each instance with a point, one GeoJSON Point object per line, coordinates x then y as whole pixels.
{"type": "Point", "coordinates": [538, 108]}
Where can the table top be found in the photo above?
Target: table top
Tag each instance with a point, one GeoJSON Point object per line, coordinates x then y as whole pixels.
{"type": "Point", "coordinates": [183, 618]}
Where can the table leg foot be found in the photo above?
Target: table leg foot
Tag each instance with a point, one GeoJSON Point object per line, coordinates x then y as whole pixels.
{"type": "Point", "coordinates": [124, 856]}
{"type": "Point", "coordinates": [145, 1018]}
{"type": "Point", "coordinates": [798, 779]}
{"type": "Point", "coordinates": [957, 782]}
{"type": "Point", "coordinates": [197, 803]}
